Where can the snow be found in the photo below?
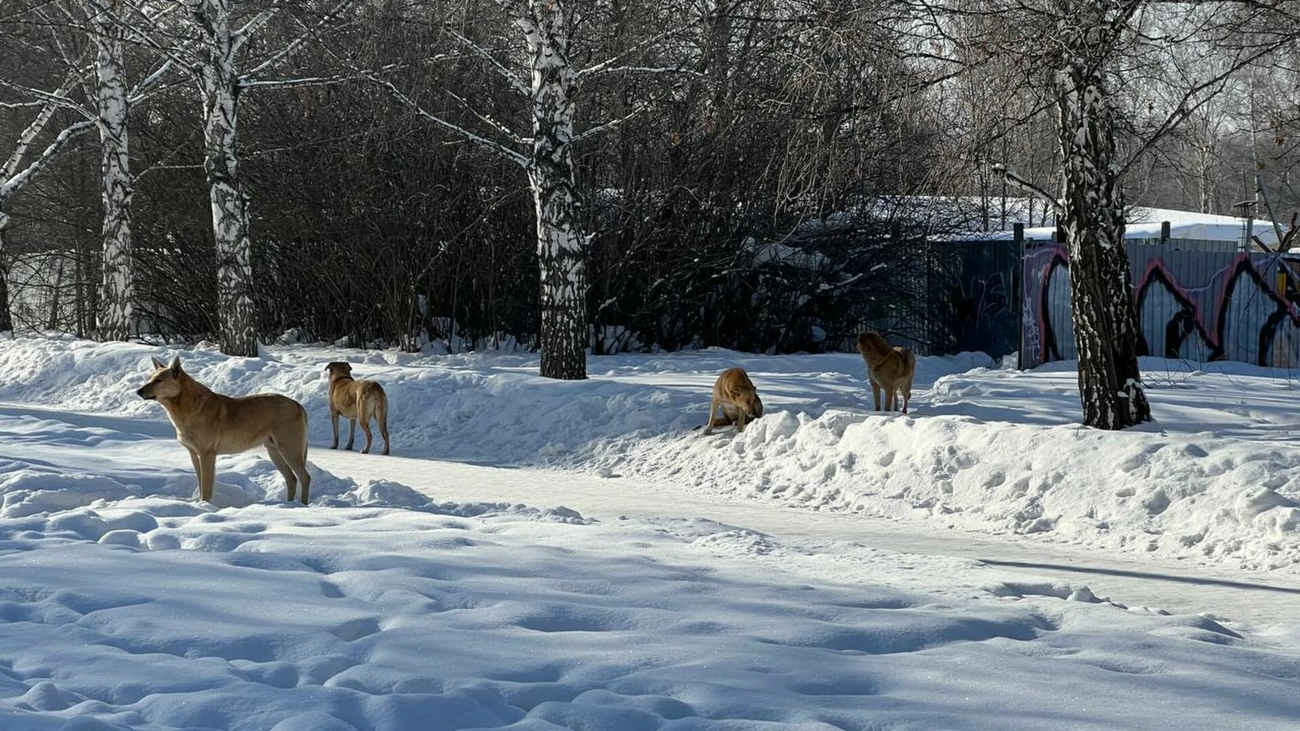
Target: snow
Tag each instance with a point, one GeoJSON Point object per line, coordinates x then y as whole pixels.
{"type": "Point", "coordinates": [1146, 223]}
{"type": "Point", "coordinates": [126, 604]}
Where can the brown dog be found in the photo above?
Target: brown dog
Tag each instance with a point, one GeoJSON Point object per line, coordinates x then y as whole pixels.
{"type": "Point", "coordinates": [208, 424]}
{"type": "Point", "coordinates": [356, 401]}
{"type": "Point", "coordinates": [889, 367]}
{"type": "Point", "coordinates": [736, 394]}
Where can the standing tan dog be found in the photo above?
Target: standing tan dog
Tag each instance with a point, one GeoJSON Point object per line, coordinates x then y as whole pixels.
{"type": "Point", "coordinates": [736, 394]}
{"type": "Point", "coordinates": [889, 367]}
{"type": "Point", "coordinates": [208, 424]}
{"type": "Point", "coordinates": [356, 401]}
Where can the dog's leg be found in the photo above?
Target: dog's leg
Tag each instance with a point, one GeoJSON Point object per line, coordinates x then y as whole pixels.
{"type": "Point", "coordinates": [207, 475]}
{"type": "Point", "coordinates": [713, 409]}
{"type": "Point", "coordinates": [363, 415]}
{"type": "Point", "coordinates": [281, 464]}
{"type": "Point", "coordinates": [875, 393]}
{"type": "Point", "coordinates": [740, 420]}
{"type": "Point", "coordinates": [352, 431]}
{"type": "Point", "coordinates": [381, 416]}
{"type": "Point", "coordinates": [907, 394]}
{"type": "Point", "coordinates": [294, 449]}
{"type": "Point", "coordinates": [334, 422]}
{"type": "Point", "coordinates": [198, 470]}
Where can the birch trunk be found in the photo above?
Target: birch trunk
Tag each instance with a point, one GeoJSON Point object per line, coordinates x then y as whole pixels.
{"type": "Point", "coordinates": [116, 311]}
{"type": "Point", "coordinates": [6, 319]}
{"type": "Point", "coordinates": [237, 318]}
{"type": "Point", "coordinates": [561, 245]}
{"type": "Point", "coordinates": [1105, 317]}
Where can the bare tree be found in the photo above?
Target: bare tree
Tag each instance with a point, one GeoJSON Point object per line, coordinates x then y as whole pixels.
{"type": "Point", "coordinates": [224, 73]}
{"type": "Point", "coordinates": [546, 156]}
{"type": "Point", "coordinates": [1085, 54]}
{"type": "Point", "coordinates": [26, 159]}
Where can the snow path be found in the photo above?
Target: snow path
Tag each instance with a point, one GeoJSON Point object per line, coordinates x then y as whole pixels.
{"type": "Point", "coordinates": [1256, 598]}
{"type": "Point", "coordinates": [1253, 597]}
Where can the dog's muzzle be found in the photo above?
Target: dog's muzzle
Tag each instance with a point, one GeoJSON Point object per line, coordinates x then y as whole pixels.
{"type": "Point", "coordinates": [140, 392]}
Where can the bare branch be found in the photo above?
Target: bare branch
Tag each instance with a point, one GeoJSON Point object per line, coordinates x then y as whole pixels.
{"type": "Point", "coordinates": [647, 70]}
{"type": "Point", "coordinates": [602, 128]}
{"type": "Point", "coordinates": [495, 147]}
{"type": "Point", "coordinates": [295, 44]}
{"type": "Point", "coordinates": [1016, 181]}
{"type": "Point", "coordinates": [11, 185]}
{"type": "Point", "coordinates": [608, 63]}
{"type": "Point", "coordinates": [515, 138]}
{"type": "Point", "coordinates": [515, 81]}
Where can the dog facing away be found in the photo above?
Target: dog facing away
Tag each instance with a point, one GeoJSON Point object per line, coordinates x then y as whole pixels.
{"type": "Point", "coordinates": [889, 367]}
{"type": "Point", "coordinates": [736, 395]}
{"type": "Point", "coordinates": [208, 424]}
{"type": "Point", "coordinates": [356, 401]}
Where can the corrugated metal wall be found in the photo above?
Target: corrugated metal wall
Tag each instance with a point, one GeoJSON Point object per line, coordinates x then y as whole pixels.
{"type": "Point", "coordinates": [1196, 305]}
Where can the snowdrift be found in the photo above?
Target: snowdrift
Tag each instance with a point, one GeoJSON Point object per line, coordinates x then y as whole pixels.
{"type": "Point", "coordinates": [985, 449]}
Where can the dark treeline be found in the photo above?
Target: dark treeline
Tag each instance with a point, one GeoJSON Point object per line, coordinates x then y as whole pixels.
{"type": "Point", "coordinates": [756, 187]}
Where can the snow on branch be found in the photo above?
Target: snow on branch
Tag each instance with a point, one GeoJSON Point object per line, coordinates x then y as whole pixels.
{"type": "Point", "coordinates": [304, 81]}
{"type": "Point", "coordinates": [250, 28]}
{"type": "Point", "coordinates": [488, 120]}
{"type": "Point", "coordinates": [12, 184]}
{"type": "Point", "coordinates": [293, 46]}
{"type": "Point", "coordinates": [516, 82]}
{"type": "Point", "coordinates": [55, 99]}
{"type": "Point", "coordinates": [1016, 181]}
{"type": "Point", "coordinates": [647, 70]}
{"type": "Point", "coordinates": [495, 147]}
{"type": "Point", "coordinates": [608, 65]}
{"type": "Point", "coordinates": [602, 128]}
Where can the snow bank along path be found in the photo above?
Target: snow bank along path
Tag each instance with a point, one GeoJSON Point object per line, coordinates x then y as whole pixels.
{"type": "Point", "coordinates": [1215, 479]}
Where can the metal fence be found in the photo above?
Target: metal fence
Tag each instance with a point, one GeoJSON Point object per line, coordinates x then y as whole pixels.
{"type": "Point", "coordinates": [1193, 302]}
{"type": "Point", "coordinates": [1194, 305]}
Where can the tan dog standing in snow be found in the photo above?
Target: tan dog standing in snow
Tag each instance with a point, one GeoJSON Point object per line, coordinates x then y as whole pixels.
{"type": "Point", "coordinates": [737, 397]}
{"type": "Point", "coordinates": [208, 424]}
{"type": "Point", "coordinates": [889, 367]}
{"type": "Point", "coordinates": [356, 401]}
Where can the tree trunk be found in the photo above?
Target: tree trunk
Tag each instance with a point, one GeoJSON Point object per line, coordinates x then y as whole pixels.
{"type": "Point", "coordinates": [6, 319]}
{"type": "Point", "coordinates": [1105, 317]}
{"type": "Point", "coordinates": [116, 310]}
{"type": "Point", "coordinates": [561, 245]}
{"type": "Point", "coordinates": [237, 318]}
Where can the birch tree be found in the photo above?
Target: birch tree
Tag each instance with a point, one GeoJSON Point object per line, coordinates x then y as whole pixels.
{"type": "Point", "coordinates": [221, 49]}
{"type": "Point", "coordinates": [548, 85]}
{"type": "Point", "coordinates": [108, 25]}
{"type": "Point", "coordinates": [1080, 53]}
{"type": "Point", "coordinates": [1092, 216]}
{"type": "Point", "coordinates": [27, 158]}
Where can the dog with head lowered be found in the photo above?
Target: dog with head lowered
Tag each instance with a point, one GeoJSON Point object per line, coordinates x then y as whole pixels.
{"type": "Point", "coordinates": [356, 401]}
{"type": "Point", "coordinates": [890, 368]}
{"type": "Point", "coordinates": [208, 424]}
{"type": "Point", "coordinates": [735, 394]}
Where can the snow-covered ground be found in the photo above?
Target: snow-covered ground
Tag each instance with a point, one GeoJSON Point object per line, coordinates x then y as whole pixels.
{"type": "Point", "coordinates": [124, 604]}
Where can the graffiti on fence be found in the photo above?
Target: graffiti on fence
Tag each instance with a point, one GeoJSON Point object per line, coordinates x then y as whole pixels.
{"type": "Point", "coordinates": [973, 298]}
{"type": "Point", "coordinates": [1194, 305]}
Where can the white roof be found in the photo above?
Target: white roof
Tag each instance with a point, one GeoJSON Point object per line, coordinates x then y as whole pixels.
{"type": "Point", "coordinates": [1145, 223]}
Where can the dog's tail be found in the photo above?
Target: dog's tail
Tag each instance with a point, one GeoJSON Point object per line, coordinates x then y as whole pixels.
{"type": "Point", "coordinates": [373, 403]}
{"type": "Point", "coordinates": [381, 414]}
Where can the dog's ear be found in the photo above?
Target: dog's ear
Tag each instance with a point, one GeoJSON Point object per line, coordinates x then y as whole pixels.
{"type": "Point", "coordinates": [175, 366]}
{"type": "Point", "coordinates": [157, 363]}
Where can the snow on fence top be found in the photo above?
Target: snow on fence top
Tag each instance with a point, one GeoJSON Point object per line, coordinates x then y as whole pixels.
{"type": "Point", "coordinates": [1147, 223]}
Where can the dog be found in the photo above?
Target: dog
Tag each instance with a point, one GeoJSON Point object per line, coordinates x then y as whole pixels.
{"type": "Point", "coordinates": [356, 401]}
{"type": "Point", "coordinates": [889, 367]}
{"type": "Point", "coordinates": [736, 395]}
{"type": "Point", "coordinates": [208, 424]}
